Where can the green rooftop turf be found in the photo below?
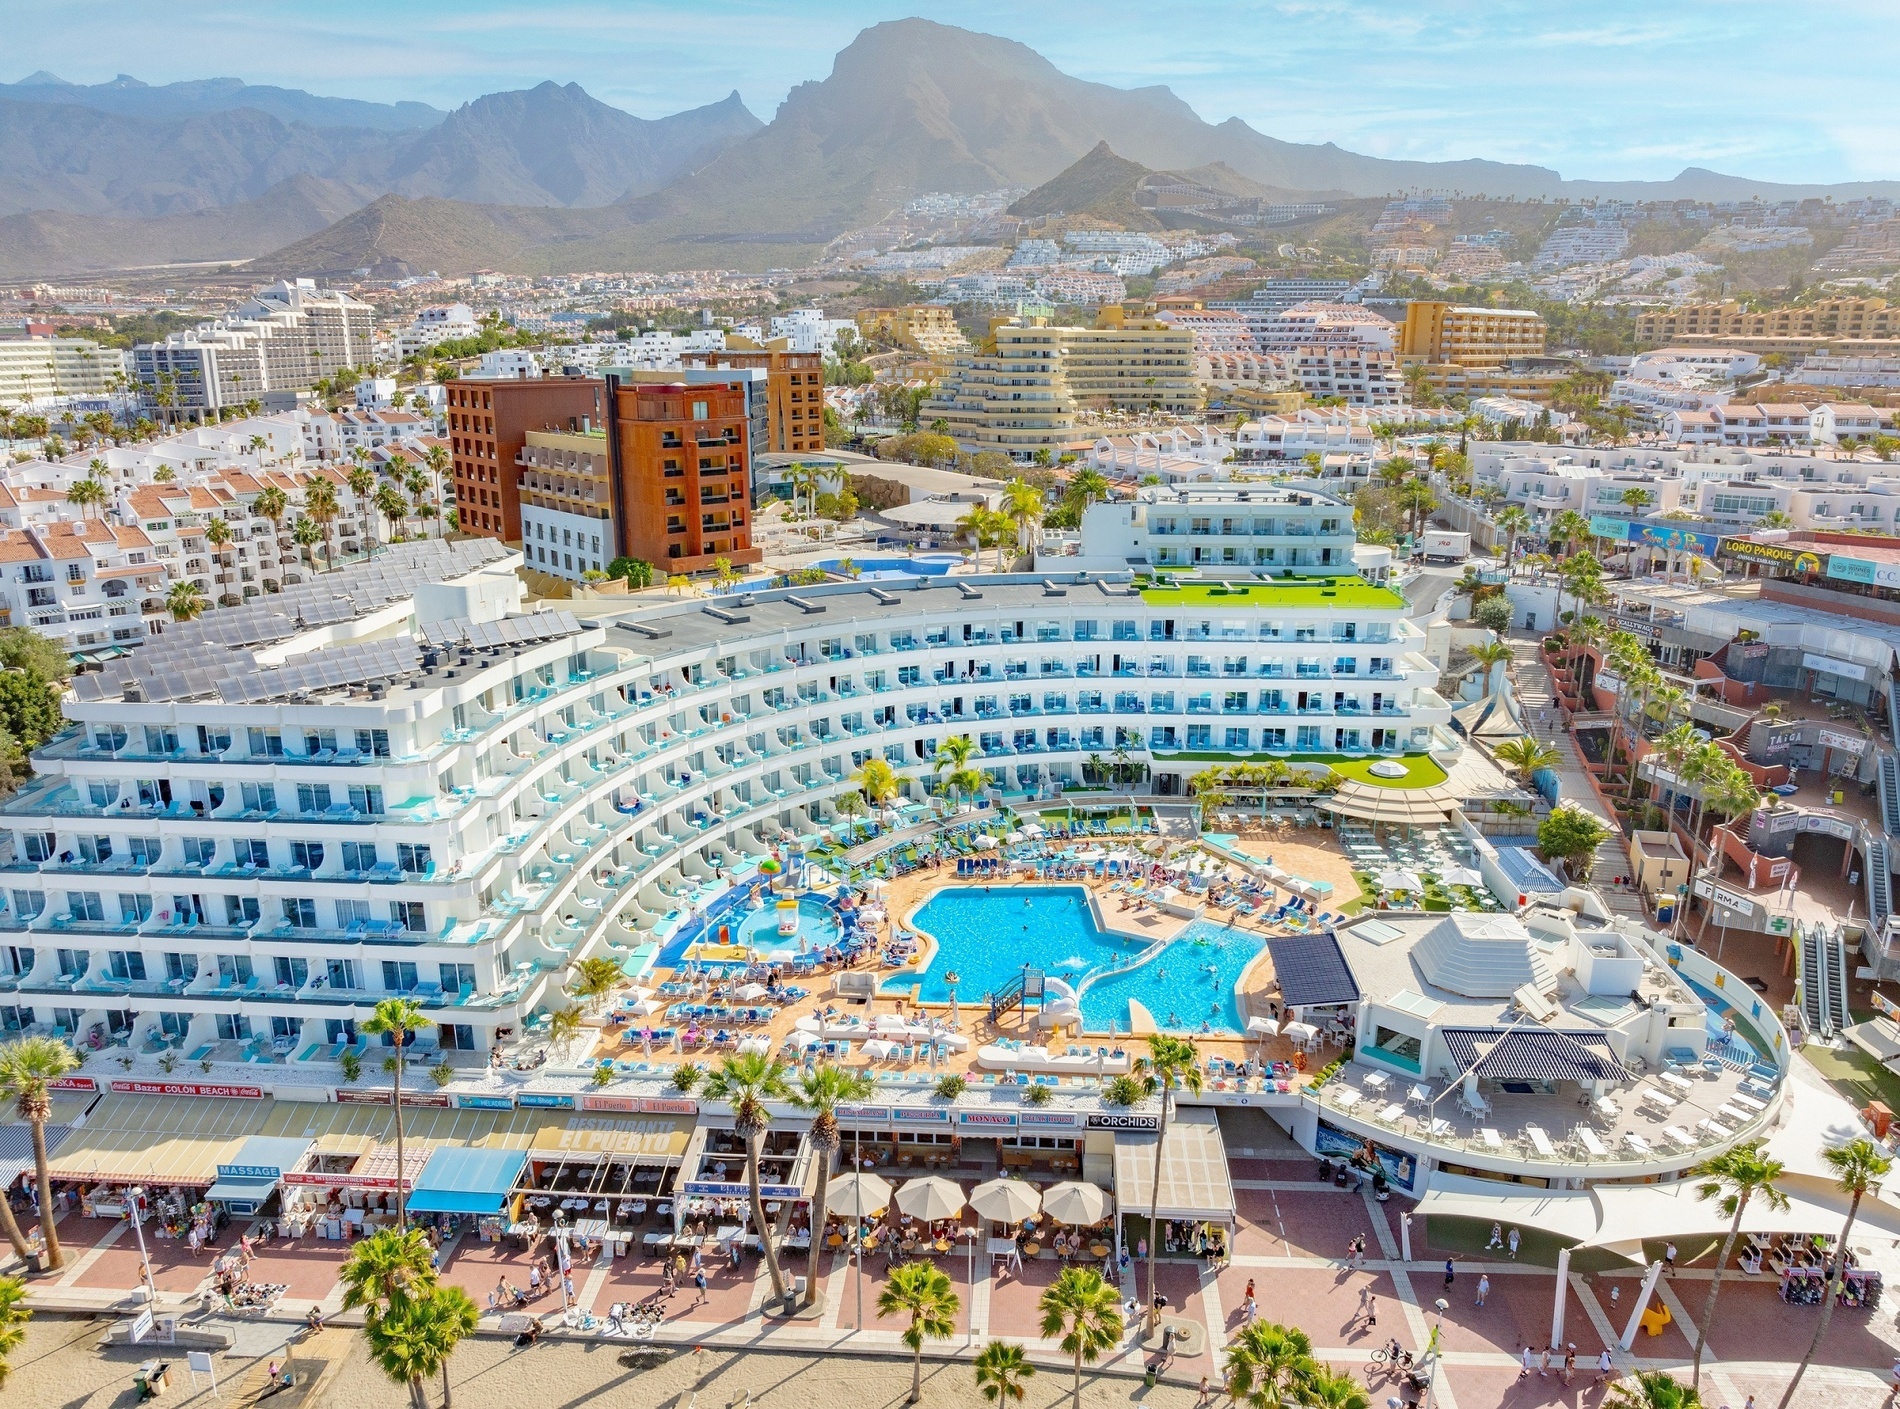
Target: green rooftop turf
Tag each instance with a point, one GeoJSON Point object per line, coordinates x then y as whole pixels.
{"type": "Point", "coordinates": [1342, 592]}
{"type": "Point", "coordinates": [1421, 771]}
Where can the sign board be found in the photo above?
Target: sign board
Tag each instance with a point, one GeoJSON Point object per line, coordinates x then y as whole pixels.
{"type": "Point", "coordinates": [141, 1326]}
{"type": "Point", "coordinates": [1863, 570]}
{"type": "Point", "coordinates": [668, 1105]}
{"type": "Point", "coordinates": [432, 1100]}
{"type": "Point", "coordinates": [864, 1115]}
{"type": "Point", "coordinates": [73, 1083]}
{"type": "Point", "coordinates": [1673, 538]}
{"type": "Point", "coordinates": [187, 1088]}
{"type": "Point", "coordinates": [1114, 1120]}
{"type": "Point", "coordinates": [926, 1115]}
{"type": "Point", "coordinates": [1885, 1006]}
{"type": "Point", "coordinates": [1047, 1120]}
{"type": "Point", "coordinates": [1833, 739]}
{"type": "Point", "coordinates": [1640, 627]}
{"type": "Point", "coordinates": [1724, 897]}
{"type": "Point", "coordinates": [715, 1189]}
{"type": "Point", "coordinates": [987, 1120]}
{"type": "Point", "coordinates": [1603, 526]}
{"type": "Point", "coordinates": [542, 1101]}
{"type": "Point", "coordinates": [1781, 555]}
{"type": "Point", "coordinates": [323, 1180]}
{"type": "Point", "coordinates": [483, 1103]}
{"type": "Point", "coordinates": [249, 1171]}
{"type": "Point", "coordinates": [1828, 665]}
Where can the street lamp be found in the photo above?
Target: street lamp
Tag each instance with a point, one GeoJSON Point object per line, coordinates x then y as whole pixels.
{"type": "Point", "coordinates": [133, 1197]}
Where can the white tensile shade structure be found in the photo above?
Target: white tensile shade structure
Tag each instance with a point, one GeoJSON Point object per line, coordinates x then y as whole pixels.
{"type": "Point", "coordinates": [931, 1198]}
{"type": "Point", "coordinates": [1005, 1200]}
{"type": "Point", "coordinates": [1075, 1202]}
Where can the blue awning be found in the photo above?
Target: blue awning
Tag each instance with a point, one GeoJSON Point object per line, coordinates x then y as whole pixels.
{"type": "Point", "coordinates": [466, 1181]}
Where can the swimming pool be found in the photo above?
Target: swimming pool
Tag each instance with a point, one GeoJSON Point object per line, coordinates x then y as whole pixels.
{"type": "Point", "coordinates": [985, 936]}
{"type": "Point", "coordinates": [817, 927]}
{"type": "Point", "coordinates": [884, 568]}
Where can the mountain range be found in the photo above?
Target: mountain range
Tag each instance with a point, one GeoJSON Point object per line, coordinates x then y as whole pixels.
{"type": "Point", "coordinates": [549, 178]}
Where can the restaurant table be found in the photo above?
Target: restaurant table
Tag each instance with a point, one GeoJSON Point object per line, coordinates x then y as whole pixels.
{"type": "Point", "coordinates": [1747, 1103]}
{"type": "Point", "coordinates": [942, 1245]}
{"type": "Point", "coordinates": [1681, 1083]}
{"type": "Point", "coordinates": [1652, 1096]}
{"type": "Point", "coordinates": [1637, 1143]}
{"type": "Point", "coordinates": [1098, 1249]}
{"type": "Point", "coordinates": [1346, 1097]}
{"type": "Point", "coordinates": [1606, 1108]}
{"type": "Point", "coordinates": [1735, 1112]}
{"type": "Point", "coordinates": [1492, 1140]}
{"type": "Point", "coordinates": [1440, 1128]}
{"type": "Point", "coordinates": [1540, 1142]}
{"type": "Point", "coordinates": [1715, 1128]}
{"type": "Point", "coordinates": [1587, 1138]}
{"type": "Point", "coordinates": [1374, 1081]}
{"type": "Point", "coordinates": [1680, 1136]}
{"type": "Point", "coordinates": [1392, 1112]}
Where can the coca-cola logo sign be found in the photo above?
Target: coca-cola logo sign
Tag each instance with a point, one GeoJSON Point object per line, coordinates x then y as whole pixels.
{"type": "Point", "coordinates": [187, 1088]}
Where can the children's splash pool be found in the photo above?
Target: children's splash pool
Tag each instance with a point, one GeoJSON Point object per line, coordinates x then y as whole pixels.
{"type": "Point", "coordinates": [817, 927]}
{"type": "Point", "coordinates": [986, 935]}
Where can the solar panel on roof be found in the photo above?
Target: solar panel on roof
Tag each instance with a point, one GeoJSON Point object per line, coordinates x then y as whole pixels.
{"type": "Point", "coordinates": [1311, 969]}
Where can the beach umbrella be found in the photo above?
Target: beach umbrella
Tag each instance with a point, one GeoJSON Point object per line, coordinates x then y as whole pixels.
{"type": "Point", "coordinates": [1076, 1203]}
{"type": "Point", "coordinates": [1262, 1026]}
{"type": "Point", "coordinates": [857, 1194]}
{"type": "Point", "coordinates": [1462, 876]}
{"type": "Point", "coordinates": [1400, 880]}
{"type": "Point", "coordinates": [750, 992]}
{"type": "Point", "coordinates": [931, 1198]}
{"type": "Point", "coordinates": [1005, 1200]}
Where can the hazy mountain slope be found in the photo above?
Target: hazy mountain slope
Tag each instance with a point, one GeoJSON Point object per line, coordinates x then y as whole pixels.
{"type": "Point", "coordinates": [128, 96]}
{"type": "Point", "coordinates": [44, 242]}
{"type": "Point", "coordinates": [555, 145]}
{"type": "Point", "coordinates": [1101, 185]}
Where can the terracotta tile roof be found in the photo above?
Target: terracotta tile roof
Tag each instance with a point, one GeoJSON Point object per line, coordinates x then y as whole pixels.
{"type": "Point", "coordinates": [131, 537]}
{"type": "Point", "coordinates": [19, 546]}
{"type": "Point", "coordinates": [241, 483]}
{"type": "Point", "coordinates": [62, 541]}
{"type": "Point", "coordinates": [7, 501]}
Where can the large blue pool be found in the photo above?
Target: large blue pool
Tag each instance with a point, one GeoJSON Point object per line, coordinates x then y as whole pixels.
{"type": "Point", "coordinates": [885, 568]}
{"type": "Point", "coordinates": [986, 937]}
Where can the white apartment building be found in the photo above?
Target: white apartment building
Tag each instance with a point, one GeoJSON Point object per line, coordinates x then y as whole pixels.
{"type": "Point", "coordinates": [337, 435]}
{"type": "Point", "coordinates": [807, 330]}
{"type": "Point", "coordinates": [443, 323]}
{"type": "Point", "coordinates": [278, 343]}
{"type": "Point", "coordinates": [1312, 431]}
{"type": "Point", "coordinates": [1360, 376]}
{"type": "Point", "coordinates": [1822, 370]}
{"type": "Point", "coordinates": [1269, 529]}
{"type": "Point", "coordinates": [1835, 421]}
{"type": "Point", "coordinates": [249, 837]}
{"type": "Point", "coordinates": [42, 372]}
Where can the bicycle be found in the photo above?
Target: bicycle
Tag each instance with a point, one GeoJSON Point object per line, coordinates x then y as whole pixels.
{"type": "Point", "coordinates": [1385, 1364]}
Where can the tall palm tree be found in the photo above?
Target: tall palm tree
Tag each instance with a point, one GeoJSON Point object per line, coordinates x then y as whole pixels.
{"type": "Point", "coordinates": [1171, 1065]}
{"type": "Point", "coordinates": [1513, 522]}
{"type": "Point", "coordinates": [385, 1270]}
{"type": "Point", "coordinates": [850, 805]}
{"type": "Point", "coordinates": [921, 1291]}
{"type": "Point", "coordinates": [436, 459]}
{"type": "Point", "coordinates": [28, 1068]}
{"type": "Point", "coordinates": [821, 1091]}
{"type": "Point", "coordinates": [186, 601]}
{"type": "Point", "coordinates": [306, 535]}
{"type": "Point", "coordinates": [954, 756]}
{"type": "Point", "coordinates": [746, 1082]}
{"type": "Point", "coordinates": [564, 1025]}
{"type": "Point", "coordinates": [415, 1340]}
{"type": "Point", "coordinates": [1266, 1362]}
{"type": "Point", "coordinates": [86, 495]}
{"type": "Point", "coordinates": [1003, 1371]}
{"type": "Point", "coordinates": [1491, 655]}
{"type": "Point", "coordinates": [362, 482]}
{"type": "Point", "coordinates": [1023, 506]}
{"type": "Point", "coordinates": [1569, 528]}
{"type": "Point", "coordinates": [1086, 1313]}
{"type": "Point", "coordinates": [321, 507]}
{"type": "Point", "coordinates": [1322, 1389]}
{"type": "Point", "coordinates": [1734, 1177]}
{"type": "Point", "coordinates": [400, 1019]}
{"type": "Point", "coordinates": [271, 503]}
{"type": "Point", "coordinates": [14, 1315]}
{"type": "Point", "coordinates": [393, 507]}
{"type": "Point", "coordinates": [1860, 1165]}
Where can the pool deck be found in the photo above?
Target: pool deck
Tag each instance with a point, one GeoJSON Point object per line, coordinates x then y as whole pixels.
{"type": "Point", "coordinates": [1308, 854]}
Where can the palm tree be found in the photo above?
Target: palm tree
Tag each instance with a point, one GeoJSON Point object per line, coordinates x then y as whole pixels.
{"type": "Point", "coordinates": [87, 494]}
{"type": "Point", "coordinates": [416, 1339]}
{"type": "Point", "coordinates": [564, 1025]}
{"type": "Point", "coordinates": [850, 805]}
{"type": "Point", "coordinates": [1320, 1388]}
{"type": "Point", "coordinates": [321, 507]}
{"type": "Point", "coordinates": [878, 781]}
{"type": "Point", "coordinates": [953, 757]}
{"type": "Point", "coordinates": [1569, 528]}
{"type": "Point", "coordinates": [1003, 1372]}
{"type": "Point", "coordinates": [13, 1318]}
{"type": "Point", "coordinates": [385, 1270]}
{"type": "Point", "coordinates": [1525, 756]}
{"type": "Point", "coordinates": [1265, 1363]}
{"type": "Point", "coordinates": [821, 1091]}
{"type": "Point", "coordinates": [28, 1068]}
{"type": "Point", "coordinates": [271, 503]}
{"type": "Point", "coordinates": [1171, 1064]}
{"type": "Point", "coordinates": [400, 1019]}
{"type": "Point", "coordinates": [746, 1082]}
{"type": "Point", "coordinates": [1733, 1177]}
{"type": "Point", "coordinates": [1652, 1389]}
{"type": "Point", "coordinates": [1023, 506]}
{"type": "Point", "coordinates": [1086, 1313]}
{"type": "Point", "coordinates": [436, 459]}
{"type": "Point", "coordinates": [921, 1291]}
{"type": "Point", "coordinates": [967, 782]}
{"type": "Point", "coordinates": [186, 601]}
{"type": "Point", "coordinates": [1512, 522]}
{"type": "Point", "coordinates": [1087, 487]}
{"type": "Point", "coordinates": [393, 507]}
{"type": "Point", "coordinates": [306, 535]}
{"type": "Point", "coordinates": [1860, 1165]}
{"type": "Point", "coordinates": [594, 979]}
{"type": "Point", "coordinates": [1491, 654]}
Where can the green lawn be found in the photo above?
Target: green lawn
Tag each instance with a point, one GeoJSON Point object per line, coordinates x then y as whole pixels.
{"type": "Point", "coordinates": [1855, 1074]}
{"type": "Point", "coordinates": [1420, 770]}
{"type": "Point", "coordinates": [1346, 591]}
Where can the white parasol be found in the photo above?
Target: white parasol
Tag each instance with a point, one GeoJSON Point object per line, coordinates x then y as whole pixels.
{"type": "Point", "coordinates": [1076, 1203]}
{"type": "Point", "coordinates": [1005, 1200]}
{"type": "Point", "coordinates": [931, 1198]}
{"type": "Point", "coordinates": [857, 1194]}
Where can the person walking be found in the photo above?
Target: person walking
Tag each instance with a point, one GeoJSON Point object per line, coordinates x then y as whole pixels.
{"type": "Point", "coordinates": [1207, 1394]}
{"type": "Point", "coordinates": [1247, 1312]}
{"type": "Point", "coordinates": [1484, 1287]}
{"type": "Point", "coordinates": [1570, 1363]}
{"type": "Point", "coordinates": [1524, 1367]}
{"type": "Point", "coordinates": [1669, 1258]}
{"type": "Point", "coordinates": [1543, 1363]}
{"type": "Point", "coordinates": [1512, 1241]}
{"type": "Point", "coordinates": [1605, 1367]}
{"type": "Point", "coordinates": [699, 1285]}
{"type": "Point", "coordinates": [1248, 1294]}
{"type": "Point", "coordinates": [1372, 1312]}
{"type": "Point", "coordinates": [1497, 1237]}
{"type": "Point", "coordinates": [1451, 1272]}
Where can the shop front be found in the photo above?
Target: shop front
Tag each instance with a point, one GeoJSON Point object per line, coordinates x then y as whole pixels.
{"type": "Point", "coordinates": [715, 1199]}
{"type": "Point", "coordinates": [349, 1187]}
{"type": "Point", "coordinates": [460, 1185]}
{"type": "Point", "coordinates": [606, 1171]}
{"type": "Point", "coordinates": [1196, 1204]}
{"type": "Point", "coordinates": [251, 1179]}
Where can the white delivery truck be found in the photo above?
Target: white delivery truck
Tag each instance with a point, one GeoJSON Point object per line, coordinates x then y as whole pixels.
{"type": "Point", "coordinates": [1437, 545]}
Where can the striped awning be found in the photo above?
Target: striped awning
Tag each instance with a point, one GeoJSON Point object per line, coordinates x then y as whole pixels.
{"type": "Point", "coordinates": [1534, 1054]}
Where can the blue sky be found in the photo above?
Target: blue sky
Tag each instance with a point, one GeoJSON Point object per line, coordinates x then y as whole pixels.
{"type": "Point", "coordinates": [1595, 88]}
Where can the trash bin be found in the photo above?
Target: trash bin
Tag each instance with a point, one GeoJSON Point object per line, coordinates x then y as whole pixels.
{"type": "Point", "coordinates": [150, 1378]}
